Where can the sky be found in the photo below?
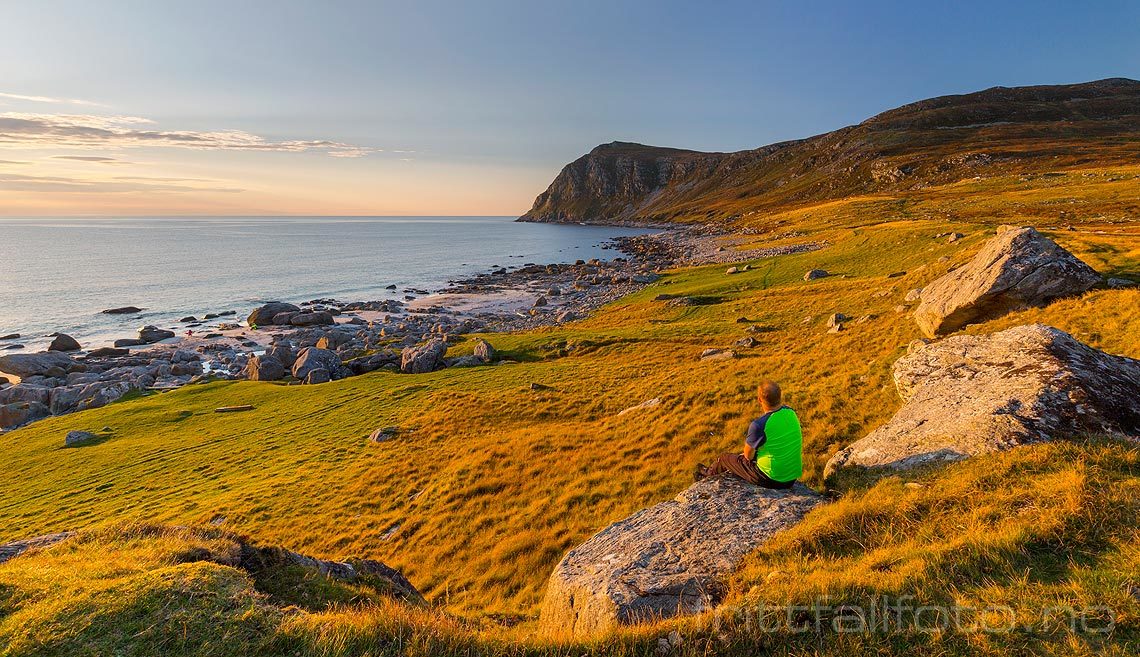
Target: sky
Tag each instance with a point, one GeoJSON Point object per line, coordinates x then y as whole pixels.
{"type": "Point", "coordinates": [470, 108]}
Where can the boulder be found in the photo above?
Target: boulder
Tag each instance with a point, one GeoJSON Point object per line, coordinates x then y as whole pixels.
{"type": "Point", "coordinates": [1117, 283]}
{"type": "Point", "coordinates": [484, 351]}
{"type": "Point", "coordinates": [188, 318]}
{"type": "Point", "coordinates": [973, 394]}
{"type": "Point", "coordinates": [64, 342]}
{"type": "Point", "coordinates": [317, 375]}
{"type": "Point", "coordinates": [312, 358]}
{"type": "Point", "coordinates": [283, 352]}
{"type": "Point", "coordinates": [1017, 269]}
{"type": "Point", "coordinates": [319, 318]}
{"type": "Point", "coordinates": [125, 310]}
{"type": "Point", "coordinates": [21, 413]}
{"type": "Point", "coordinates": [813, 274]}
{"type": "Point", "coordinates": [78, 438]}
{"type": "Point", "coordinates": [129, 342]}
{"type": "Point", "coordinates": [718, 354]}
{"type": "Point", "coordinates": [10, 336]}
{"type": "Point", "coordinates": [104, 352]}
{"type": "Point", "coordinates": [25, 392]}
{"type": "Point", "coordinates": [80, 397]}
{"type": "Point", "coordinates": [264, 368]}
{"type": "Point", "coordinates": [25, 365]}
{"type": "Point", "coordinates": [263, 315]}
{"type": "Point", "coordinates": [151, 334]}
{"type": "Point", "coordinates": [424, 358]}
{"type": "Point", "coordinates": [667, 560]}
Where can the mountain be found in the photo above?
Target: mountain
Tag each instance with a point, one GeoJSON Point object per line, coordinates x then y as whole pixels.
{"type": "Point", "coordinates": [930, 142]}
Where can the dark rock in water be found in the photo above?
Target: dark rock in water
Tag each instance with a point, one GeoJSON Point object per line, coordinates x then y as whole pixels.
{"type": "Point", "coordinates": [188, 318]}
{"type": "Point", "coordinates": [670, 559]}
{"type": "Point", "coordinates": [312, 358]}
{"type": "Point", "coordinates": [263, 315]}
{"type": "Point", "coordinates": [21, 413]}
{"type": "Point", "coordinates": [25, 365]}
{"type": "Point", "coordinates": [104, 352]}
{"type": "Point", "coordinates": [10, 336]}
{"type": "Point", "coordinates": [129, 342]}
{"type": "Point", "coordinates": [425, 358]}
{"type": "Point", "coordinates": [64, 342]}
{"type": "Point", "coordinates": [264, 368]}
{"type": "Point", "coordinates": [973, 394]}
{"type": "Point", "coordinates": [12, 347]}
{"type": "Point", "coordinates": [484, 351]}
{"type": "Point", "coordinates": [320, 318]}
{"type": "Point", "coordinates": [125, 310]}
{"type": "Point", "coordinates": [151, 334]}
{"type": "Point", "coordinates": [78, 438]}
{"type": "Point", "coordinates": [1017, 269]}
{"type": "Point", "coordinates": [318, 375]}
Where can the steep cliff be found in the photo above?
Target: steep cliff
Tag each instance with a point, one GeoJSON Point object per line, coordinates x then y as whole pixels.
{"type": "Point", "coordinates": [935, 141]}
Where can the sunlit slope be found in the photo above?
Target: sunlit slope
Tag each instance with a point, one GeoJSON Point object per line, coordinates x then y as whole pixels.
{"type": "Point", "coordinates": [493, 481]}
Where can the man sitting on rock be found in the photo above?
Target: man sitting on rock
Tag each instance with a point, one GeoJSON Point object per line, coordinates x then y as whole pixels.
{"type": "Point", "coordinates": [772, 455]}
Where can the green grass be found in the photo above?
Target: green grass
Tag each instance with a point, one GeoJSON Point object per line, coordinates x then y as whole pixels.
{"type": "Point", "coordinates": [490, 483]}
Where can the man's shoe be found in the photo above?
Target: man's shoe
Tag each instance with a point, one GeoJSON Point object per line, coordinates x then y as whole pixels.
{"type": "Point", "coordinates": [700, 473]}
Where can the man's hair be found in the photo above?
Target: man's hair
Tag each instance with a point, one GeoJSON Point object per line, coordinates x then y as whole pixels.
{"type": "Point", "coordinates": [769, 394]}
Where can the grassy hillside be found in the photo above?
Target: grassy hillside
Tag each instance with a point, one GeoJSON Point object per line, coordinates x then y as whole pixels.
{"type": "Point", "coordinates": [492, 482]}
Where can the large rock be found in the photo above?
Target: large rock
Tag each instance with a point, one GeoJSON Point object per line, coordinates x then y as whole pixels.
{"type": "Point", "coordinates": [64, 342]}
{"type": "Point", "coordinates": [1017, 269]}
{"type": "Point", "coordinates": [484, 351]}
{"type": "Point", "coordinates": [265, 368]}
{"type": "Point", "coordinates": [973, 394]}
{"type": "Point", "coordinates": [319, 318]}
{"type": "Point", "coordinates": [312, 358]}
{"type": "Point", "coordinates": [424, 358]}
{"type": "Point", "coordinates": [263, 315]}
{"type": "Point", "coordinates": [25, 365]}
{"type": "Point", "coordinates": [151, 334]}
{"type": "Point", "coordinates": [21, 413]}
{"type": "Point", "coordinates": [669, 559]}
{"type": "Point", "coordinates": [283, 352]}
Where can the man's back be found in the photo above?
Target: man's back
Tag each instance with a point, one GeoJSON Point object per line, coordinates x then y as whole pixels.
{"type": "Point", "coordinates": [779, 444]}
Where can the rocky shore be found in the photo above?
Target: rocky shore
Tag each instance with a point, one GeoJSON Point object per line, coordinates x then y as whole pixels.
{"type": "Point", "coordinates": [326, 339]}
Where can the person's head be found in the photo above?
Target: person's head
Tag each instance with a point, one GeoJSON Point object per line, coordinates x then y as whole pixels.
{"type": "Point", "coordinates": [769, 395]}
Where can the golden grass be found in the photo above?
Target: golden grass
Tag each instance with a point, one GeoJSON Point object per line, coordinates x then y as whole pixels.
{"type": "Point", "coordinates": [494, 482]}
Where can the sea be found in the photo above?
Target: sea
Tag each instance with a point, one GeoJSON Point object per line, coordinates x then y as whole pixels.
{"type": "Point", "coordinates": [58, 274]}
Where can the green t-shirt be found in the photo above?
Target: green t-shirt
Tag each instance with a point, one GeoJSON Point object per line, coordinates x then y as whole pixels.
{"type": "Point", "coordinates": [778, 442]}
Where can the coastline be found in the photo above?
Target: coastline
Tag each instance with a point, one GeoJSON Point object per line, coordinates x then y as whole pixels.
{"type": "Point", "coordinates": [360, 336]}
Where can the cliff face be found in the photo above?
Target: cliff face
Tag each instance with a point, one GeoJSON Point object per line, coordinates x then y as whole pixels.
{"type": "Point", "coordinates": [935, 141]}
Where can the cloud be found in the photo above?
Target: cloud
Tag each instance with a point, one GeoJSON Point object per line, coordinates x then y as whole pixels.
{"type": "Point", "coordinates": [24, 183]}
{"type": "Point", "coordinates": [89, 158]}
{"type": "Point", "coordinates": [49, 99]}
{"type": "Point", "coordinates": [13, 162]}
{"type": "Point", "coordinates": [26, 130]}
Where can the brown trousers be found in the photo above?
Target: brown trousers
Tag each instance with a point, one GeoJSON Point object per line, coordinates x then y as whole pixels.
{"type": "Point", "coordinates": [746, 470]}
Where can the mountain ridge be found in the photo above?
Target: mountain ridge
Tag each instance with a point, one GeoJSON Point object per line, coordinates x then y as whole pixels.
{"type": "Point", "coordinates": [933, 141]}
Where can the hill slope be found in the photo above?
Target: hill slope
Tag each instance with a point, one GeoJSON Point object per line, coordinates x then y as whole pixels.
{"type": "Point", "coordinates": [931, 142]}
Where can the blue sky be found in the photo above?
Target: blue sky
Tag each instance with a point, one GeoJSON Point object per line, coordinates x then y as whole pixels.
{"type": "Point", "coordinates": [470, 108]}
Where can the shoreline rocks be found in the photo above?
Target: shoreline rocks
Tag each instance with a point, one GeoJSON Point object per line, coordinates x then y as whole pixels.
{"type": "Point", "coordinates": [973, 394]}
{"type": "Point", "coordinates": [669, 559]}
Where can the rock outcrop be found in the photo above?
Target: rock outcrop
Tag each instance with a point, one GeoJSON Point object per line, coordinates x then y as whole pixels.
{"type": "Point", "coordinates": [311, 359]}
{"type": "Point", "coordinates": [972, 394]}
{"type": "Point", "coordinates": [669, 559]}
{"type": "Point", "coordinates": [64, 342]}
{"type": "Point", "coordinates": [424, 358]}
{"type": "Point", "coordinates": [264, 368]}
{"type": "Point", "coordinates": [1017, 269]}
{"type": "Point", "coordinates": [25, 365]}
{"type": "Point", "coordinates": [263, 315]}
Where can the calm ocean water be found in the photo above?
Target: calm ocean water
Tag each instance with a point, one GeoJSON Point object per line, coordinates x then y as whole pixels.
{"type": "Point", "coordinates": [58, 274]}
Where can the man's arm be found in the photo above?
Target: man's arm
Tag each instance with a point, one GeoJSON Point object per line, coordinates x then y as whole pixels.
{"type": "Point", "coordinates": [754, 440]}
